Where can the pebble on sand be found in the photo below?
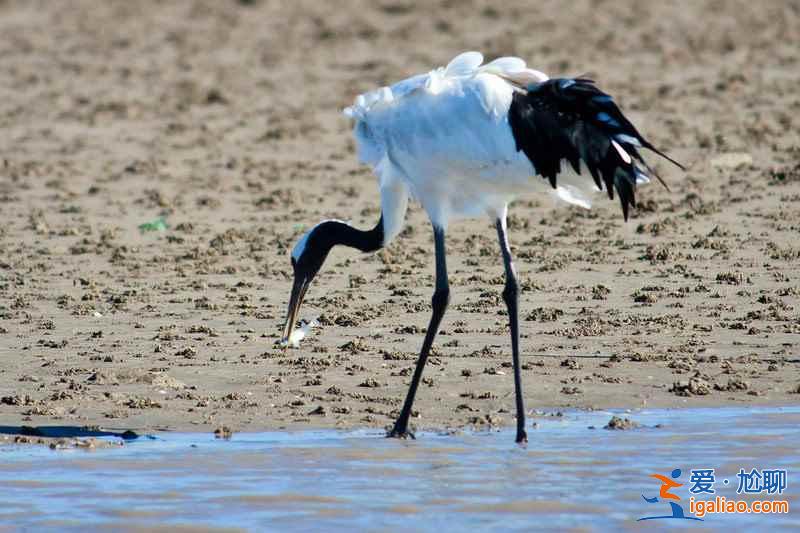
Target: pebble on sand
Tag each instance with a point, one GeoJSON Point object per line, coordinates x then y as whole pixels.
{"type": "Point", "coordinates": [732, 160]}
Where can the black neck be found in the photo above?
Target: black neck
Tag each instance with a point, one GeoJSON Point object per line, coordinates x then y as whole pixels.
{"type": "Point", "coordinates": [335, 232]}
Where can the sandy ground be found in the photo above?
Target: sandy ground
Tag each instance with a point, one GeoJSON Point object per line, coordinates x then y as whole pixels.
{"type": "Point", "coordinates": [224, 117]}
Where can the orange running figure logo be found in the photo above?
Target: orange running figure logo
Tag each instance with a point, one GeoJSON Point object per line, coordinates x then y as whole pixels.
{"type": "Point", "coordinates": [664, 493]}
{"type": "Point", "coordinates": [666, 485]}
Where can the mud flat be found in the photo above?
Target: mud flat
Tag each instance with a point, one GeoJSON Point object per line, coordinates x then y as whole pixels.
{"type": "Point", "coordinates": [223, 117]}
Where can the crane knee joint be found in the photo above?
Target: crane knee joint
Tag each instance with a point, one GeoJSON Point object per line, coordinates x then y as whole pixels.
{"type": "Point", "coordinates": [511, 290]}
{"type": "Point", "coordinates": [441, 298]}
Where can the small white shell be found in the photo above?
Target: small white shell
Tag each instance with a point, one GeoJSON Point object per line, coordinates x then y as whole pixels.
{"type": "Point", "coordinates": [301, 333]}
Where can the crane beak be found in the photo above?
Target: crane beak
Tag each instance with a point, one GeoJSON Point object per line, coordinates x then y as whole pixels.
{"type": "Point", "coordinates": [299, 289]}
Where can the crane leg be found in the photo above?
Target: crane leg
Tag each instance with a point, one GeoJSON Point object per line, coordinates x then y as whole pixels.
{"type": "Point", "coordinates": [441, 297]}
{"type": "Point", "coordinates": [511, 297]}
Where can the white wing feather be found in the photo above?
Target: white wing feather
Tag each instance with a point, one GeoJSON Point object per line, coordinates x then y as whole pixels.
{"type": "Point", "coordinates": [444, 138]}
{"type": "Point", "coordinates": [464, 64]}
{"type": "Point", "coordinates": [504, 64]}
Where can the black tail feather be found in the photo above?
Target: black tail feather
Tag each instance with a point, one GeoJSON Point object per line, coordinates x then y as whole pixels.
{"type": "Point", "coordinates": [650, 170]}
{"type": "Point", "coordinates": [662, 154]}
{"type": "Point", "coordinates": [574, 120]}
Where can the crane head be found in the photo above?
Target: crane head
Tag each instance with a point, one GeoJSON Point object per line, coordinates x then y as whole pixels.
{"type": "Point", "coordinates": [308, 255]}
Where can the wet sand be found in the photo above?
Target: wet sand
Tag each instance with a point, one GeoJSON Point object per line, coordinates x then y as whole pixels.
{"type": "Point", "coordinates": [224, 117]}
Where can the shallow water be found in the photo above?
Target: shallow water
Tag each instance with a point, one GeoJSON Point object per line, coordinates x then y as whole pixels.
{"type": "Point", "coordinates": [568, 477]}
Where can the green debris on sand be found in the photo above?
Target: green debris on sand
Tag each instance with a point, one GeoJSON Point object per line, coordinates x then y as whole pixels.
{"type": "Point", "coordinates": [159, 224]}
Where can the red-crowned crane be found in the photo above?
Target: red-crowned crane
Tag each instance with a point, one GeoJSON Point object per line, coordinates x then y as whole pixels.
{"type": "Point", "coordinates": [464, 140]}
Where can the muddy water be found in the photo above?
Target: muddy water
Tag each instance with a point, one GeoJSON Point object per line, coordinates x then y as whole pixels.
{"type": "Point", "coordinates": [569, 476]}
